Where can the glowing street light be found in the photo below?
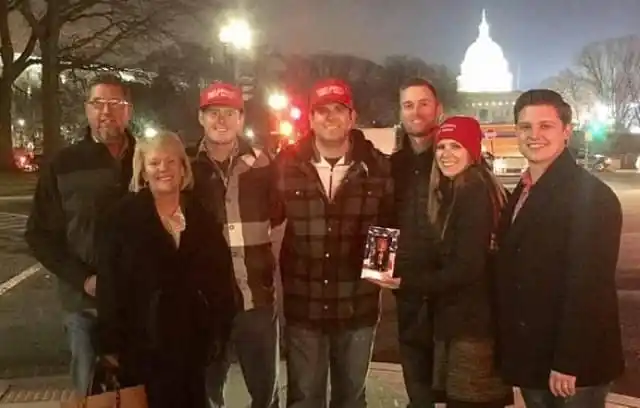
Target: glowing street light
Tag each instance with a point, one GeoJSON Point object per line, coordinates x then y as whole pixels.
{"type": "Point", "coordinates": [21, 122]}
{"type": "Point", "coordinates": [238, 34]}
{"type": "Point", "coordinates": [150, 132]}
{"type": "Point", "coordinates": [286, 129]}
{"type": "Point", "coordinates": [278, 101]}
{"type": "Point", "coordinates": [296, 113]}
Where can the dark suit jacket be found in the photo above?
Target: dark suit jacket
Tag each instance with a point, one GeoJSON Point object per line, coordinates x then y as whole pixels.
{"type": "Point", "coordinates": [555, 268]}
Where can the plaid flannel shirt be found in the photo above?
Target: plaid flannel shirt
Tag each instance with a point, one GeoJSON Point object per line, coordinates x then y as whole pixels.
{"type": "Point", "coordinates": [324, 241]}
{"type": "Point", "coordinates": [242, 202]}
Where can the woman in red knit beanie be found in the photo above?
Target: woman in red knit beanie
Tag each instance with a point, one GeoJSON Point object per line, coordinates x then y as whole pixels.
{"type": "Point", "coordinates": [464, 204]}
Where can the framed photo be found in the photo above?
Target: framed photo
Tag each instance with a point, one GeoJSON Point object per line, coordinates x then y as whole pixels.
{"type": "Point", "coordinates": [380, 252]}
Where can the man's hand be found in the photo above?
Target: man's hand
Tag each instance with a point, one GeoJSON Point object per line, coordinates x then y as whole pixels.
{"type": "Point", "coordinates": [110, 361]}
{"type": "Point", "coordinates": [90, 285]}
{"type": "Point", "coordinates": [562, 385]}
{"type": "Point", "coordinates": [386, 281]}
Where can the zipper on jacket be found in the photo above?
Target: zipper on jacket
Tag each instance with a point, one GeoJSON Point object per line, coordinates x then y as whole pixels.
{"type": "Point", "coordinates": [331, 183]}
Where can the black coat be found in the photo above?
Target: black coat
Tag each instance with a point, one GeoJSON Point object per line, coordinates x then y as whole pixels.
{"type": "Point", "coordinates": [557, 300]}
{"type": "Point", "coordinates": [460, 288]}
{"type": "Point", "coordinates": [165, 311]}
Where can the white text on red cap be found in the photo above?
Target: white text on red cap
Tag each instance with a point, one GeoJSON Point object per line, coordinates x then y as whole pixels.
{"type": "Point", "coordinates": [449, 127]}
{"type": "Point", "coordinates": [330, 90]}
{"type": "Point", "coordinates": [221, 92]}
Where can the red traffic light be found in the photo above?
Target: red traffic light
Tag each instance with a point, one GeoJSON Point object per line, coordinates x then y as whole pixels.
{"type": "Point", "coordinates": [295, 113]}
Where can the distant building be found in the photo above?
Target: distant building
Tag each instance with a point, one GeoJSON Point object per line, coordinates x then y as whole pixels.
{"type": "Point", "coordinates": [490, 107]}
{"type": "Point", "coordinates": [485, 81]}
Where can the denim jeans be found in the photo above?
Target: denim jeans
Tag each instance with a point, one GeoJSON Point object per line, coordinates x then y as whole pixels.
{"type": "Point", "coordinates": [311, 355]}
{"type": "Point", "coordinates": [80, 328]}
{"type": "Point", "coordinates": [587, 397]}
{"type": "Point", "coordinates": [255, 339]}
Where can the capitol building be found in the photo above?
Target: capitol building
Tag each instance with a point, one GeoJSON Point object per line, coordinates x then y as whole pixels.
{"type": "Point", "coordinates": [486, 81]}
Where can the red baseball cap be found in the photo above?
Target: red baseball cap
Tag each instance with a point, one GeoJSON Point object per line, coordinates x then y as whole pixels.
{"type": "Point", "coordinates": [221, 94]}
{"type": "Point", "coordinates": [331, 91]}
{"type": "Point", "coordinates": [464, 130]}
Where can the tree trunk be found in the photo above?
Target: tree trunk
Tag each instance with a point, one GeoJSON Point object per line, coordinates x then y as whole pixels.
{"type": "Point", "coordinates": [49, 42]}
{"type": "Point", "coordinates": [7, 163]}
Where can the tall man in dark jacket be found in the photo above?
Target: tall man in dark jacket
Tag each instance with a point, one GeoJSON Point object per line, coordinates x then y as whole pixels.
{"type": "Point", "coordinates": [334, 184]}
{"type": "Point", "coordinates": [420, 111]}
{"type": "Point", "coordinates": [74, 190]}
{"type": "Point", "coordinates": [558, 248]}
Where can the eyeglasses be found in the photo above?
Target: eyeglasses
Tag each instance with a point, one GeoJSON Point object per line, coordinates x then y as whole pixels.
{"type": "Point", "coordinates": [100, 104]}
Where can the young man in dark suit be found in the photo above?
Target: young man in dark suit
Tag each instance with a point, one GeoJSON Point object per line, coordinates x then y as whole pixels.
{"type": "Point", "coordinates": [558, 248]}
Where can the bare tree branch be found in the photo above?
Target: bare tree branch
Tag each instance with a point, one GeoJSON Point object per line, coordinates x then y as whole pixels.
{"type": "Point", "coordinates": [12, 68]}
{"type": "Point", "coordinates": [14, 4]}
{"type": "Point", "coordinates": [89, 16]}
{"type": "Point", "coordinates": [5, 36]}
{"type": "Point", "coordinates": [29, 16]}
{"type": "Point", "coordinates": [609, 69]}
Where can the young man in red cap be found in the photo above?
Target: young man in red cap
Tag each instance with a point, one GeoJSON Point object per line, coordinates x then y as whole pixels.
{"type": "Point", "coordinates": [333, 185]}
{"type": "Point", "coordinates": [558, 242]}
{"type": "Point", "coordinates": [234, 179]}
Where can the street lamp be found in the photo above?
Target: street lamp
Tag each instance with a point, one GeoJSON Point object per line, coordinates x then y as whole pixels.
{"type": "Point", "coordinates": [21, 122]}
{"type": "Point", "coordinates": [150, 132]}
{"type": "Point", "coordinates": [286, 129]}
{"type": "Point", "coordinates": [296, 113]}
{"type": "Point", "coordinates": [235, 34]}
{"type": "Point", "coordinates": [238, 34]}
{"type": "Point", "coordinates": [278, 101]}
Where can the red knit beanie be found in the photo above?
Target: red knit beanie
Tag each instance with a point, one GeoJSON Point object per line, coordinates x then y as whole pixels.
{"type": "Point", "coordinates": [464, 130]}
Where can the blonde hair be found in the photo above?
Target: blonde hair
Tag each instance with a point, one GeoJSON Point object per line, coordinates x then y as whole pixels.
{"type": "Point", "coordinates": [162, 140]}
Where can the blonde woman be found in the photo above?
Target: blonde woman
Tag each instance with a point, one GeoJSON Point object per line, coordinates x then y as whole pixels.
{"type": "Point", "coordinates": [165, 297]}
{"type": "Point", "coordinates": [464, 205]}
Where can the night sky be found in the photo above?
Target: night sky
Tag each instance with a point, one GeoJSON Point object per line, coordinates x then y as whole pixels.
{"type": "Point", "coordinates": [542, 36]}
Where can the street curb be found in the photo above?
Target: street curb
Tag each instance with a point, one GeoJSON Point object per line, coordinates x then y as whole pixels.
{"type": "Point", "coordinates": [618, 399]}
{"type": "Point", "coordinates": [624, 400]}
{"type": "Point", "coordinates": [16, 198]}
{"type": "Point", "coordinates": [388, 367]}
{"type": "Point", "coordinates": [4, 387]}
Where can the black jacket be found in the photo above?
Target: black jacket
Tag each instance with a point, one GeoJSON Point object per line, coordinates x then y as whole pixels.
{"type": "Point", "coordinates": [556, 264]}
{"type": "Point", "coordinates": [74, 189]}
{"type": "Point", "coordinates": [165, 311]}
{"type": "Point", "coordinates": [418, 239]}
{"type": "Point", "coordinates": [460, 289]}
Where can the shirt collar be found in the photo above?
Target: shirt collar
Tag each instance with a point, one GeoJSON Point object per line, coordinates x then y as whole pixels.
{"type": "Point", "coordinates": [242, 147]}
{"type": "Point", "coordinates": [316, 157]}
{"type": "Point", "coordinates": [526, 179]}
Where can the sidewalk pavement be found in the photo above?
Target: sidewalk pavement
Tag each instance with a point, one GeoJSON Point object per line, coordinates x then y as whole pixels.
{"type": "Point", "coordinates": [385, 389]}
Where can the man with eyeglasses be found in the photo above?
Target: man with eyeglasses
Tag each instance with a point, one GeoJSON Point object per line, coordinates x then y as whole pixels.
{"type": "Point", "coordinates": [74, 190]}
{"type": "Point", "coordinates": [234, 180]}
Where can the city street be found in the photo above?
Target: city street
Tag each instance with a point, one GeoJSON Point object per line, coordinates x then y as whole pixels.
{"type": "Point", "coordinates": [30, 317]}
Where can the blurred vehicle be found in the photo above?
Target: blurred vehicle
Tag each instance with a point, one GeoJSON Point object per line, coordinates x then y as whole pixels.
{"type": "Point", "coordinates": [593, 162]}
{"type": "Point", "coordinates": [384, 139]}
{"type": "Point", "coordinates": [500, 148]}
{"type": "Point", "coordinates": [25, 160]}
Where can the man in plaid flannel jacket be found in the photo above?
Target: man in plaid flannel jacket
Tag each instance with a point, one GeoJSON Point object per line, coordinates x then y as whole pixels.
{"type": "Point", "coordinates": [234, 180]}
{"type": "Point", "coordinates": [333, 185]}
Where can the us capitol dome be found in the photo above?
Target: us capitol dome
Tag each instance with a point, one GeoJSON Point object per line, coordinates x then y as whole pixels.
{"type": "Point", "coordinates": [485, 68]}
